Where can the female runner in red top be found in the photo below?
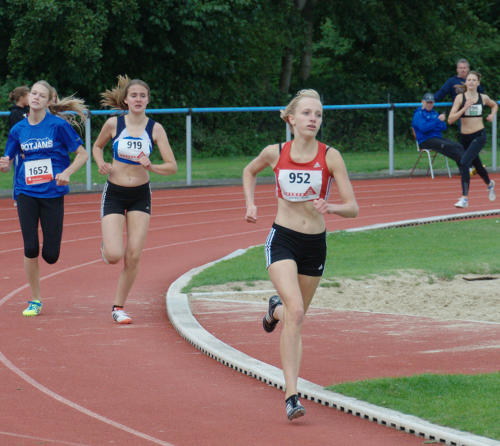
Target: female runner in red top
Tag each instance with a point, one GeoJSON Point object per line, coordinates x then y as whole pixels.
{"type": "Point", "coordinates": [296, 246]}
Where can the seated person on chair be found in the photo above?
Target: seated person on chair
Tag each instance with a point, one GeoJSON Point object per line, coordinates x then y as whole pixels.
{"type": "Point", "coordinates": [429, 126]}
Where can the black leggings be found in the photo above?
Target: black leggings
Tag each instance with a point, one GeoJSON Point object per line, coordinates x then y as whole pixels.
{"type": "Point", "coordinates": [50, 213]}
{"type": "Point", "coordinates": [473, 143]}
{"type": "Point", "coordinates": [453, 150]}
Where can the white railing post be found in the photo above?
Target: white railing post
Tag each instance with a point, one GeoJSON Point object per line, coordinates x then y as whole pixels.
{"type": "Point", "coordinates": [89, 151]}
{"type": "Point", "coordinates": [494, 143]}
{"type": "Point", "coordinates": [390, 115]}
{"type": "Point", "coordinates": [288, 132]}
{"type": "Point", "coordinates": [188, 148]}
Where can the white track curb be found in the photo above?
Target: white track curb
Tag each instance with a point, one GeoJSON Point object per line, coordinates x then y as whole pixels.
{"type": "Point", "coordinates": [189, 328]}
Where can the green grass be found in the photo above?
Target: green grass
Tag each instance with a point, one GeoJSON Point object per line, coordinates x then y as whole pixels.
{"type": "Point", "coordinates": [202, 169]}
{"type": "Point", "coordinates": [466, 402]}
{"type": "Point", "coordinates": [232, 167]}
{"type": "Point", "coordinates": [441, 249]}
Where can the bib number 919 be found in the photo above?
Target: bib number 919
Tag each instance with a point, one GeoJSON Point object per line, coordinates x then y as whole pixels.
{"type": "Point", "coordinates": [134, 144]}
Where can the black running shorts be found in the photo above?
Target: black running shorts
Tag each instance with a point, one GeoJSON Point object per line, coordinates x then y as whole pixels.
{"type": "Point", "coordinates": [120, 199]}
{"type": "Point", "coordinates": [307, 250]}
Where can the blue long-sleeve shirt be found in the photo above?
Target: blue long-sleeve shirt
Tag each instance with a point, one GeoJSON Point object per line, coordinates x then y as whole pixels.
{"type": "Point", "coordinates": [427, 124]}
{"type": "Point", "coordinates": [448, 89]}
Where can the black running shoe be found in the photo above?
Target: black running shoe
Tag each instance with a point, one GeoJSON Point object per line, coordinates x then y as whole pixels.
{"type": "Point", "coordinates": [269, 322]}
{"type": "Point", "coordinates": [293, 407]}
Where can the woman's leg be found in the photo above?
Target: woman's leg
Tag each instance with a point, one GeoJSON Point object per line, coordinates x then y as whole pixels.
{"type": "Point", "coordinates": [473, 144]}
{"type": "Point", "coordinates": [112, 226]}
{"type": "Point", "coordinates": [32, 271]}
{"type": "Point", "coordinates": [296, 292]}
{"type": "Point", "coordinates": [482, 172]}
{"type": "Point", "coordinates": [446, 147]}
{"type": "Point", "coordinates": [471, 157]}
{"type": "Point", "coordinates": [51, 222]}
{"type": "Point", "coordinates": [29, 213]}
{"type": "Point", "coordinates": [137, 229]}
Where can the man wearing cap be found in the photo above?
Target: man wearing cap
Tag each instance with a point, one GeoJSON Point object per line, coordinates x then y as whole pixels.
{"type": "Point", "coordinates": [455, 84]}
{"type": "Point", "coordinates": [429, 126]}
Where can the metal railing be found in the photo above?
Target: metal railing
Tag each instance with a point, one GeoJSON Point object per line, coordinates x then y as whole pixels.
{"type": "Point", "coordinates": [390, 107]}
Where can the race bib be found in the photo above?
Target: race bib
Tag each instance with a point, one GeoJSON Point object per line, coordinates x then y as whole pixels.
{"type": "Point", "coordinates": [300, 185]}
{"type": "Point", "coordinates": [133, 149]}
{"type": "Point", "coordinates": [474, 110]}
{"type": "Point", "coordinates": [38, 171]}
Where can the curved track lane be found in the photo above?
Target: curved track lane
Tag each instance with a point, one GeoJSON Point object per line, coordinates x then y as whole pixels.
{"type": "Point", "coordinates": [70, 376]}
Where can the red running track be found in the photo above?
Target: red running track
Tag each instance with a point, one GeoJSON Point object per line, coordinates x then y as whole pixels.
{"type": "Point", "coordinates": [72, 377]}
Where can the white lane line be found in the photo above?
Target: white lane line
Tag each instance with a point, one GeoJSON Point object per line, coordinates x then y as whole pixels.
{"type": "Point", "coordinates": [4, 360]}
{"type": "Point", "coordinates": [76, 406]}
{"type": "Point", "coordinates": [7, 363]}
{"type": "Point", "coordinates": [45, 440]}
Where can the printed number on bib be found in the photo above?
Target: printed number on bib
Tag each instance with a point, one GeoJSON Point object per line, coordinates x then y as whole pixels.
{"type": "Point", "coordinates": [38, 171]}
{"type": "Point", "coordinates": [133, 149]}
{"type": "Point", "coordinates": [475, 110]}
{"type": "Point", "coordinates": [300, 185]}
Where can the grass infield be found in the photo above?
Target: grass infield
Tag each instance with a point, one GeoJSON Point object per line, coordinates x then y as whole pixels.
{"type": "Point", "coordinates": [466, 402]}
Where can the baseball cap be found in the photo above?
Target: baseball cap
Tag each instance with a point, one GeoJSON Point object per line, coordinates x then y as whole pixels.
{"type": "Point", "coordinates": [428, 97]}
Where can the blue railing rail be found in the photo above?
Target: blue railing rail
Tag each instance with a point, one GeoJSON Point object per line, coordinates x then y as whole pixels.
{"type": "Point", "coordinates": [188, 111]}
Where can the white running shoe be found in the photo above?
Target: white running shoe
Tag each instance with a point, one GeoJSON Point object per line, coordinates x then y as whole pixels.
{"type": "Point", "coordinates": [462, 203]}
{"type": "Point", "coordinates": [491, 191]}
{"type": "Point", "coordinates": [121, 317]}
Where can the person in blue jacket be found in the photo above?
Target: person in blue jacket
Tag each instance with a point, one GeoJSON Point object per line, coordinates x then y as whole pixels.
{"type": "Point", "coordinates": [429, 126]}
{"type": "Point", "coordinates": [43, 141]}
{"type": "Point", "coordinates": [18, 111]}
{"type": "Point", "coordinates": [454, 85]}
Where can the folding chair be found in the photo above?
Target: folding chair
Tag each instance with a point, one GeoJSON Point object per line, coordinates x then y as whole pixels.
{"type": "Point", "coordinates": [429, 157]}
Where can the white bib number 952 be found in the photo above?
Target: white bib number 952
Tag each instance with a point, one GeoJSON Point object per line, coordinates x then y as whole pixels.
{"type": "Point", "coordinates": [300, 185]}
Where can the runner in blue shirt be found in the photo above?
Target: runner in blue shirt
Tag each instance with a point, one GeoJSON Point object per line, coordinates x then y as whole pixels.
{"type": "Point", "coordinates": [43, 142]}
{"type": "Point", "coordinates": [126, 199]}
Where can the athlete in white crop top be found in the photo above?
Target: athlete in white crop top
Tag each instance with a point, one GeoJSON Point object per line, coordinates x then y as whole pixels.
{"type": "Point", "coordinates": [469, 108]}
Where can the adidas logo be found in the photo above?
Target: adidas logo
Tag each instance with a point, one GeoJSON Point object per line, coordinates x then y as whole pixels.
{"type": "Point", "coordinates": [317, 165]}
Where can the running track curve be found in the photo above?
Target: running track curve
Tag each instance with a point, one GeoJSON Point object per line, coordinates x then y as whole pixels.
{"type": "Point", "coordinates": [72, 377]}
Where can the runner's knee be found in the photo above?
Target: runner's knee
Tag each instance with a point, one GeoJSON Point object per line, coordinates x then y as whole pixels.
{"type": "Point", "coordinates": [50, 256]}
{"type": "Point", "coordinates": [31, 252]}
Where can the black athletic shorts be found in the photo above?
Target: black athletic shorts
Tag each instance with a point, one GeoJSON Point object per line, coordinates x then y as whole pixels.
{"type": "Point", "coordinates": [120, 199]}
{"type": "Point", "coordinates": [307, 250]}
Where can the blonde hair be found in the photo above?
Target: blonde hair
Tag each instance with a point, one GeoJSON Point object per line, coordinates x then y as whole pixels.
{"type": "Point", "coordinates": [292, 106]}
{"type": "Point", "coordinates": [18, 93]}
{"type": "Point", "coordinates": [115, 98]}
{"type": "Point", "coordinates": [59, 106]}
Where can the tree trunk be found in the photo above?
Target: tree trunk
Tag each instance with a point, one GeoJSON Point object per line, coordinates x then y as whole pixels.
{"type": "Point", "coordinates": [306, 58]}
{"type": "Point", "coordinates": [286, 70]}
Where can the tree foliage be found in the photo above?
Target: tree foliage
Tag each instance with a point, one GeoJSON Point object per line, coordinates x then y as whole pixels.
{"type": "Point", "coordinates": [197, 53]}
